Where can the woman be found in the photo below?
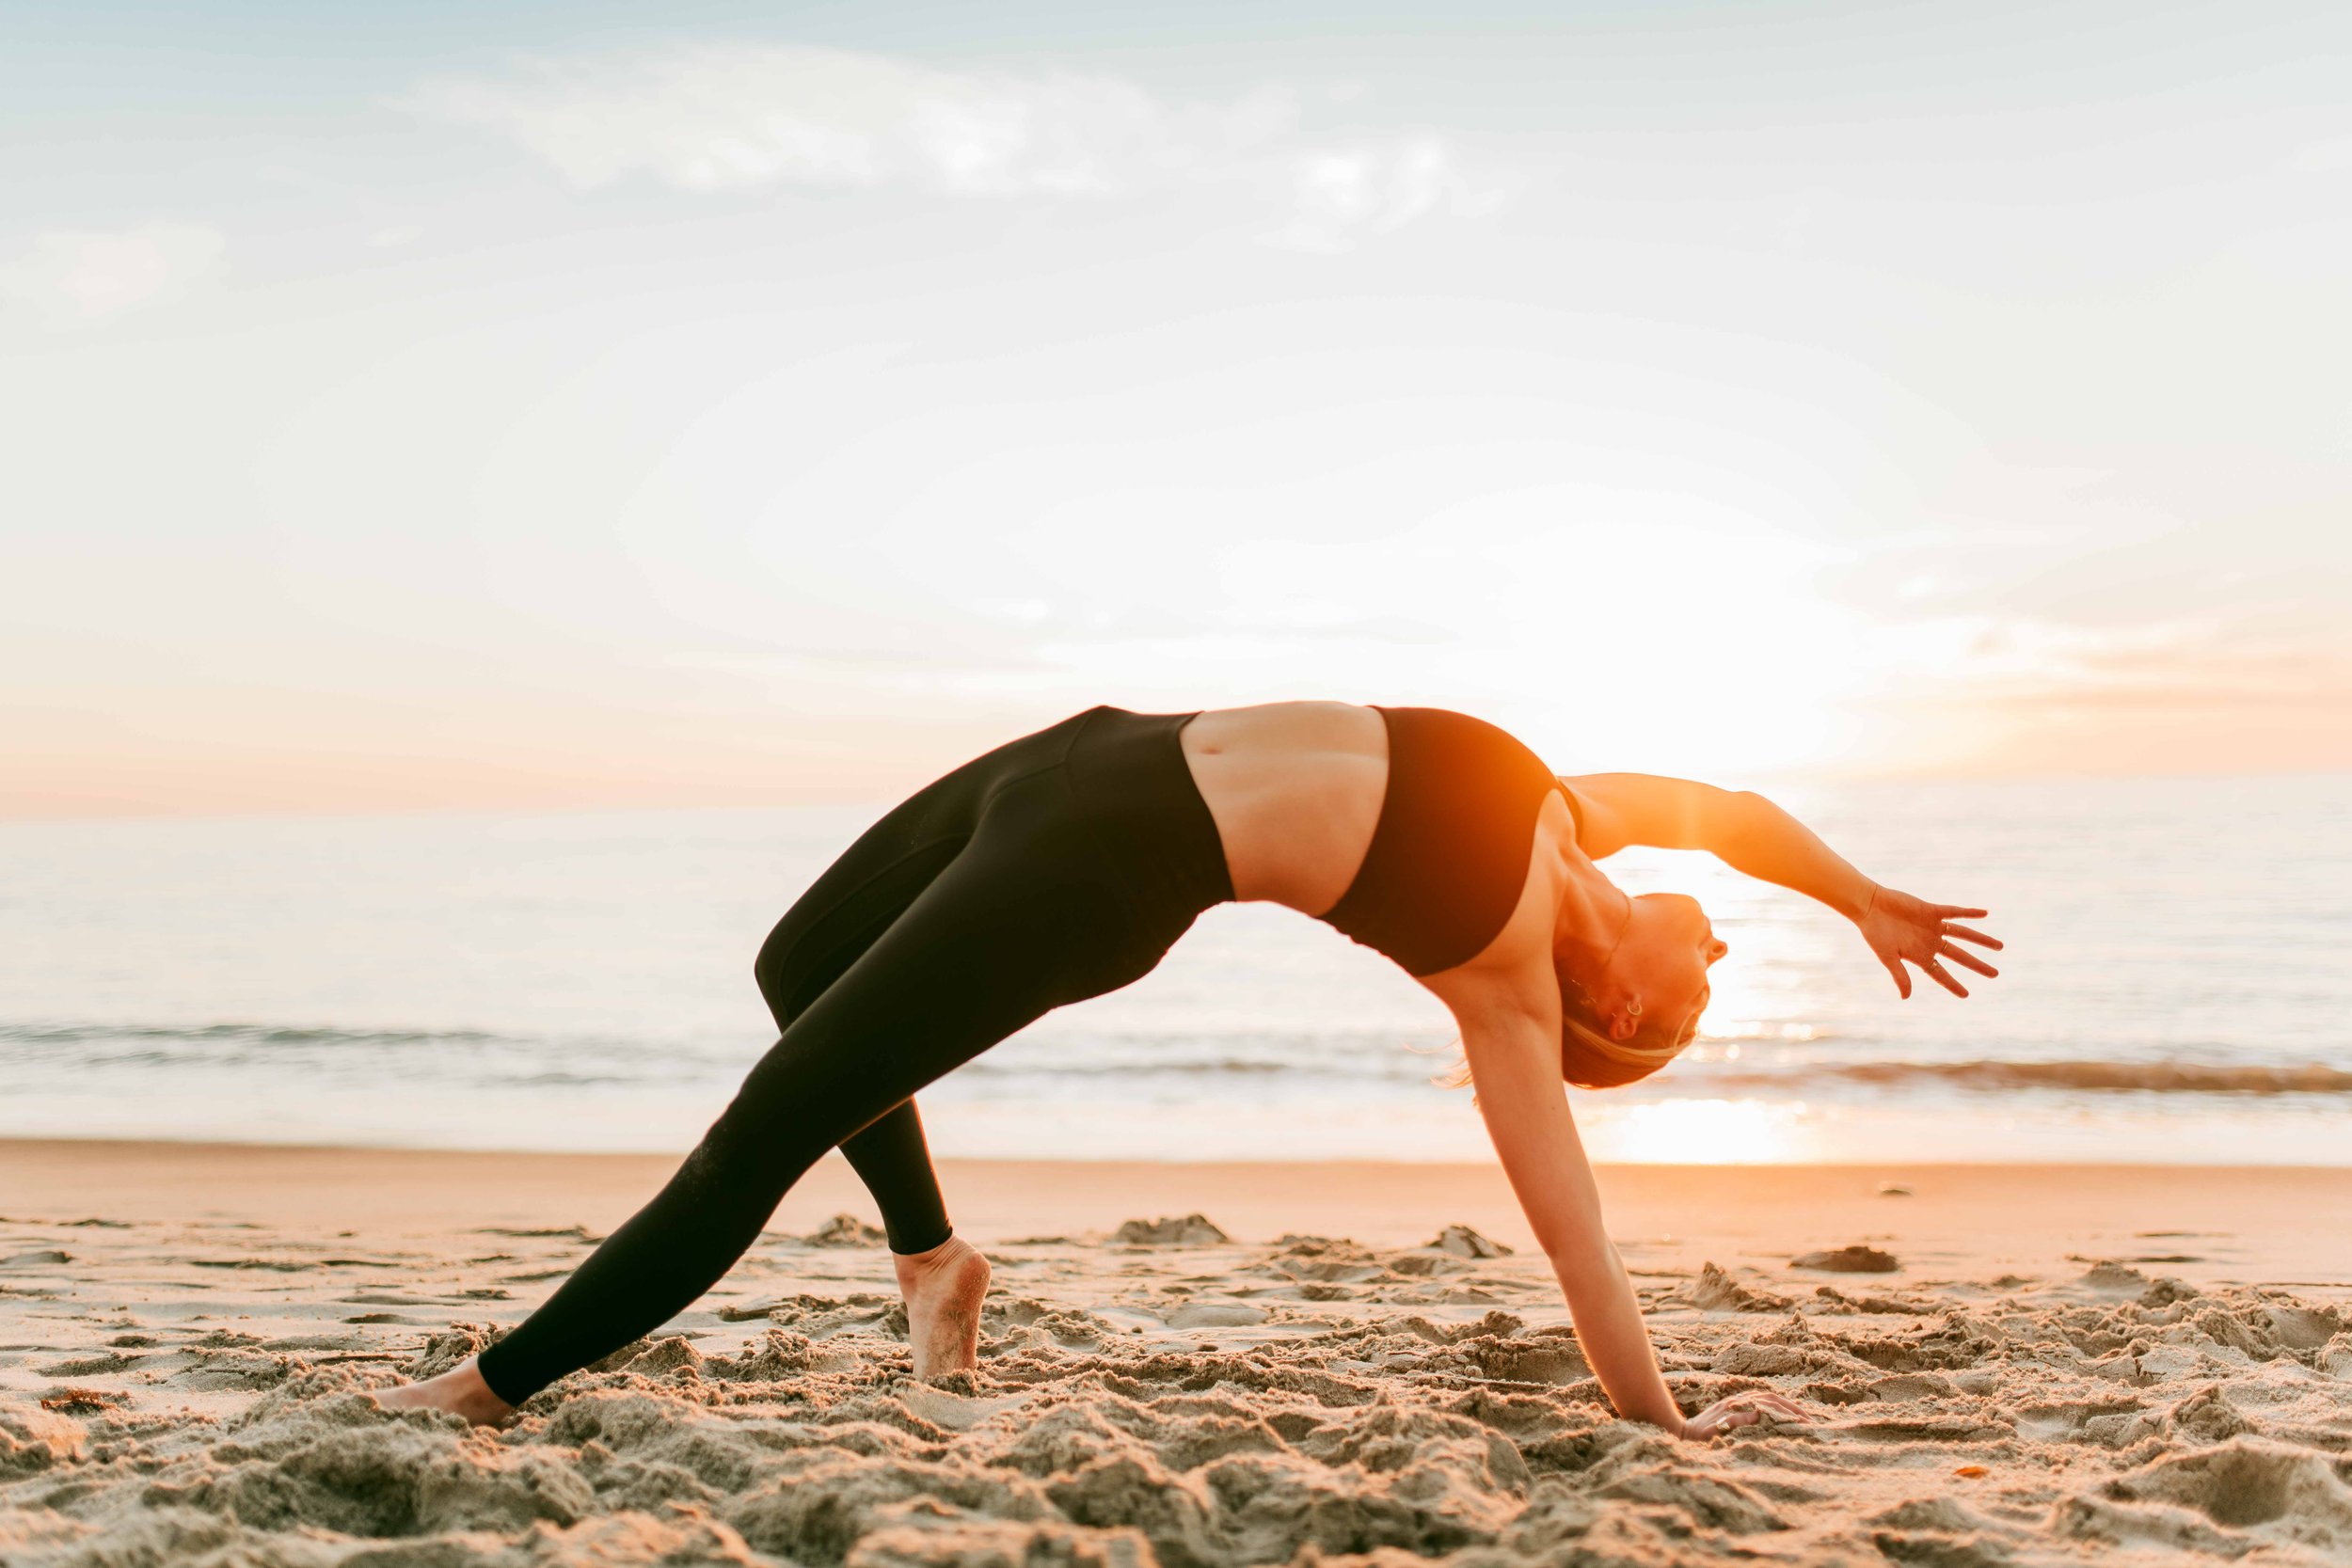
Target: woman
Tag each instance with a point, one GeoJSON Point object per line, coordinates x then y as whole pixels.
{"type": "Point", "coordinates": [1065, 864]}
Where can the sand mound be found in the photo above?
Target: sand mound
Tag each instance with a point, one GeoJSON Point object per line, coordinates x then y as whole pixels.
{"type": "Point", "coordinates": [1191, 1230]}
{"type": "Point", "coordinates": [1717, 1291]}
{"type": "Point", "coordinates": [846, 1230]}
{"type": "Point", "coordinates": [1462, 1242]}
{"type": "Point", "coordinates": [1856, 1258]}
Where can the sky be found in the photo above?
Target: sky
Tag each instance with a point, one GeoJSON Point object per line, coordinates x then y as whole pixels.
{"type": "Point", "coordinates": [520, 404]}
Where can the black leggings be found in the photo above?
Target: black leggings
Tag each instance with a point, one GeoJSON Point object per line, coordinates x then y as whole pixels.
{"type": "Point", "coordinates": [1052, 869]}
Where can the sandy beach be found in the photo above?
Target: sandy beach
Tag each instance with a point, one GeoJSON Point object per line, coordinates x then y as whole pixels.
{"type": "Point", "coordinates": [2040, 1364]}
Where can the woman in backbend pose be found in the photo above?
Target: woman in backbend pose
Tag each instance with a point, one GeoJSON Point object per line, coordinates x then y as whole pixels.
{"type": "Point", "coordinates": [1065, 864]}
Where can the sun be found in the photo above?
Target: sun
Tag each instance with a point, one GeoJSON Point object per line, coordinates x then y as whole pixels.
{"type": "Point", "coordinates": [1668, 647]}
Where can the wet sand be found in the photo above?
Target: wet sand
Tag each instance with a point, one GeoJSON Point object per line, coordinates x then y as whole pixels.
{"type": "Point", "coordinates": [2064, 1363]}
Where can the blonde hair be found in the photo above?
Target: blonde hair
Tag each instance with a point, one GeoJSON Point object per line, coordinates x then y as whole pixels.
{"type": "Point", "coordinates": [1591, 1060]}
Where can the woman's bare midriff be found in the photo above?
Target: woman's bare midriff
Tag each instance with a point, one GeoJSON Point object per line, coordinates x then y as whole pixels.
{"type": "Point", "coordinates": [1296, 789]}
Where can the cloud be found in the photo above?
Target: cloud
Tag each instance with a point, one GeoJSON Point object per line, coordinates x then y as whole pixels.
{"type": "Point", "coordinates": [2026, 662]}
{"type": "Point", "coordinates": [73, 276]}
{"type": "Point", "coordinates": [1342, 194]}
{"type": "Point", "coordinates": [713, 118]}
{"type": "Point", "coordinates": [2033, 697]}
{"type": "Point", "coordinates": [2322, 157]}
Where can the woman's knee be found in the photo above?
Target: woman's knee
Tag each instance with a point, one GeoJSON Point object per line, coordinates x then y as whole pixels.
{"type": "Point", "coordinates": [789, 967]}
{"type": "Point", "coordinates": [840, 916]}
{"type": "Point", "coordinates": [770, 968]}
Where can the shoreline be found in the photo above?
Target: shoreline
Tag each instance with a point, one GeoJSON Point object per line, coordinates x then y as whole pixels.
{"type": "Point", "coordinates": [2253, 1224]}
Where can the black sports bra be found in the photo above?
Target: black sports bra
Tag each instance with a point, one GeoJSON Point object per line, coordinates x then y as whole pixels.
{"type": "Point", "coordinates": [1448, 857]}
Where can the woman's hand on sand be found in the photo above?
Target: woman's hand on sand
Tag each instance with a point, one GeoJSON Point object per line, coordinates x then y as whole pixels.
{"type": "Point", "coordinates": [1901, 928]}
{"type": "Point", "coordinates": [1739, 1410]}
{"type": "Point", "coordinates": [460, 1391]}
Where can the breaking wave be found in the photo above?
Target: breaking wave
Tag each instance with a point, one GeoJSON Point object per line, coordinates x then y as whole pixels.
{"type": "Point", "coordinates": [2111, 1077]}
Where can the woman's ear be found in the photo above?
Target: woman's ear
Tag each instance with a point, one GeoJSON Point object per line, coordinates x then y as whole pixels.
{"type": "Point", "coordinates": [1625, 1021]}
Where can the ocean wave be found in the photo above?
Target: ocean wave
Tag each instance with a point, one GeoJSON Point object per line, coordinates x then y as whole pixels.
{"type": "Point", "coordinates": [1378, 1063]}
{"type": "Point", "coordinates": [476, 1056]}
{"type": "Point", "coordinates": [240, 1034]}
{"type": "Point", "coordinates": [2095, 1077]}
{"type": "Point", "coordinates": [980, 1066]}
{"type": "Point", "coordinates": [1975, 1076]}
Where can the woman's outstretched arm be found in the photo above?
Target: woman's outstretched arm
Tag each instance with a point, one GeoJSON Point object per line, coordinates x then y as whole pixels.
{"type": "Point", "coordinates": [1743, 830]}
{"type": "Point", "coordinates": [1514, 1056]}
{"type": "Point", "coordinates": [1753, 836]}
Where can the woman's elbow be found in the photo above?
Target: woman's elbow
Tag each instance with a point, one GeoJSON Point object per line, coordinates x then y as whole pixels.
{"type": "Point", "coordinates": [1740, 803]}
{"type": "Point", "coordinates": [1734, 814]}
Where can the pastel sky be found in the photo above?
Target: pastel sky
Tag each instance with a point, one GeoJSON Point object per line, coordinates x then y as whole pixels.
{"type": "Point", "coordinates": [500, 404]}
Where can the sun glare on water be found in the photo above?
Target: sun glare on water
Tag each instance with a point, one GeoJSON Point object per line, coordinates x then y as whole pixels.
{"type": "Point", "coordinates": [1697, 1133]}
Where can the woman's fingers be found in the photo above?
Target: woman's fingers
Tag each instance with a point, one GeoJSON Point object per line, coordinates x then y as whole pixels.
{"type": "Point", "coordinates": [1966, 960]}
{"type": "Point", "coordinates": [1953, 911]}
{"type": "Point", "coordinates": [1778, 1405]}
{"type": "Point", "coordinates": [1964, 934]}
{"type": "Point", "coordinates": [1902, 976]}
{"type": "Point", "coordinates": [1741, 1410]}
{"type": "Point", "coordinates": [1747, 1409]}
{"type": "Point", "coordinates": [1938, 972]}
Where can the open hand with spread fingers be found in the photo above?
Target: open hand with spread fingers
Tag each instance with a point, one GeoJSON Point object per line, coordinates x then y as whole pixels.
{"type": "Point", "coordinates": [1902, 929]}
{"type": "Point", "coordinates": [1741, 1410]}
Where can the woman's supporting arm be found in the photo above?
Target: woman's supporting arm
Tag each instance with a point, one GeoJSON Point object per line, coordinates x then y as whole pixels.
{"type": "Point", "coordinates": [1515, 1063]}
{"type": "Point", "coordinates": [1514, 1055]}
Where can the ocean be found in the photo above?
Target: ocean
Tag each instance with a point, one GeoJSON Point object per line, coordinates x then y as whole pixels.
{"type": "Point", "coordinates": [2176, 989]}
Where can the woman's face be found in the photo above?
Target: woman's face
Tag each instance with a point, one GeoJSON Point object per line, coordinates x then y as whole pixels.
{"type": "Point", "coordinates": [1661, 966]}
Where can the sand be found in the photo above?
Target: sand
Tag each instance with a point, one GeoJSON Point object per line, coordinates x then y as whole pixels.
{"type": "Point", "coordinates": [1271, 1364]}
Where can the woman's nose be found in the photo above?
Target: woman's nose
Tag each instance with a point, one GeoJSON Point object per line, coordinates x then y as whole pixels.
{"type": "Point", "coordinates": [1716, 949]}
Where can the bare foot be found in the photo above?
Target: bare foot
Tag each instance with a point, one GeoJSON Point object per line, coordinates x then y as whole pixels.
{"type": "Point", "coordinates": [460, 1391]}
{"type": "Point", "coordinates": [944, 1288]}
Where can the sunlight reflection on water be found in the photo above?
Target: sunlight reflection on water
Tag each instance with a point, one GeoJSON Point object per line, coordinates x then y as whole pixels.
{"type": "Point", "coordinates": [1704, 1132]}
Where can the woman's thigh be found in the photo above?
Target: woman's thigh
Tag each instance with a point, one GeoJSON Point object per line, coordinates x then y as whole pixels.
{"type": "Point", "coordinates": [989, 945]}
{"type": "Point", "coordinates": [832, 924]}
{"type": "Point", "coordinates": [881, 874]}
{"type": "Point", "coordinates": [865, 888]}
